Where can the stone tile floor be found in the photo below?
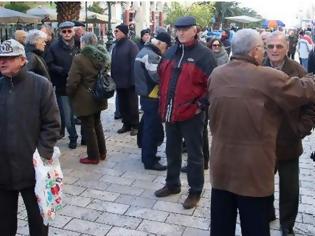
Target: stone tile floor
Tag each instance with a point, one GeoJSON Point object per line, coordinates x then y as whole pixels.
{"type": "Point", "coordinates": [116, 196]}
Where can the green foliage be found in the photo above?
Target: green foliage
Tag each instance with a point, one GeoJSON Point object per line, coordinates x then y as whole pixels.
{"type": "Point", "coordinates": [17, 6]}
{"type": "Point", "coordinates": [96, 8]}
{"type": "Point", "coordinates": [202, 12]}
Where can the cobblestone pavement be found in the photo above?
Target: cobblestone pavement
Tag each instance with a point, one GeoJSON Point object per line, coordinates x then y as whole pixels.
{"type": "Point", "coordinates": [116, 196]}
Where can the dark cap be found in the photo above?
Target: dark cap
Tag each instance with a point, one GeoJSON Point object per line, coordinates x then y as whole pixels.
{"type": "Point", "coordinates": [78, 23]}
{"type": "Point", "coordinates": [144, 31]}
{"type": "Point", "coordinates": [164, 37]}
{"type": "Point", "coordinates": [185, 21]}
{"type": "Point", "coordinates": [66, 24]}
{"type": "Point", "coordinates": [123, 28]}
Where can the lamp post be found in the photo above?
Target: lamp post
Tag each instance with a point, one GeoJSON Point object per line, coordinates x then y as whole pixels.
{"type": "Point", "coordinates": [109, 28]}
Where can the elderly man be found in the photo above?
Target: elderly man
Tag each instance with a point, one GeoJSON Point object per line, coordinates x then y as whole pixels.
{"type": "Point", "coordinates": [123, 58]}
{"type": "Point", "coordinates": [29, 119]}
{"type": "Point", "coordinates": [289, 143]}
{"type": "Point", "coordinates": [184, 74]}
{"type": "Point", "coordinates": [146, 81]}
{"type": "Point", "coordinates": [20, 36]}
{"type": "Point", "coordinates": [59, 59]}
{"type": "Point", "coordinates": [246, 104]}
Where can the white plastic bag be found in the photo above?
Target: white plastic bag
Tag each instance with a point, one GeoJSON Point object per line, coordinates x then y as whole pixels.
{"type": "Point", "coordinates": [49, 185]}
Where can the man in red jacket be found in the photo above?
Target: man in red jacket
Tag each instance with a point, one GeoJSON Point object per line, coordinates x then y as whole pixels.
{"type": "Point", "coordinates": [184, 73]}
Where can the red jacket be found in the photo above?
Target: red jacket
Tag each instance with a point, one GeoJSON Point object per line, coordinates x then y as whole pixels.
{"type": "Point", "coordinates": [184, 73]}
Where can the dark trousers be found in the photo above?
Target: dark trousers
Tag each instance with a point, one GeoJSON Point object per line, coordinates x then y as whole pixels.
{"type": "Point", "coordinates": [128, 105]}
{"type": "Point", "coordinates": [9, 209]}
{"type": "Point", "coordinates": [205, 145]}
{"type": "Point", "coordinates": [288, 192]}
{"type": "Point", "coordinates": [95, 140]}
{"type": "Point", "coordinates": [291, 55]}
{"type": "Point", "coordinates": [252, 210]}
{"type": "Point", "coordinates": [192, 132]}
{"type": "Point", "coordinates": [152, 130]}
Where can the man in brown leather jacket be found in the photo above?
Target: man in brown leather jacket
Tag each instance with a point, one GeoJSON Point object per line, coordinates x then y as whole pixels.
{"type": "Point", "coordinates": [289, 143]}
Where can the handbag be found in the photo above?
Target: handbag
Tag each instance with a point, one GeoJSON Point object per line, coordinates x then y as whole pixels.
{"type": "Point", "coordinates": [104, 87]}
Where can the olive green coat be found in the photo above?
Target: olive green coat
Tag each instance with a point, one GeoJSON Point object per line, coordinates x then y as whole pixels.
{"type": "Point", "coordinates": [82, 75]}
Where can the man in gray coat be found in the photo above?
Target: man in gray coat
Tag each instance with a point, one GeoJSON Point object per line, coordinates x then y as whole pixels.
{"type": "Point", "coordinates": [29, 119]}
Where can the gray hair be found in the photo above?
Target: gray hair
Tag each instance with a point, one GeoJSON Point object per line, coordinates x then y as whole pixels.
{"type": "Point", "coordinates": [277, 34]}
{"type": "Point", "coordinates": [89, 39]}
{"type": "Point", "coordinates": [33, 35]}
{"type": "Point", "coordinates": [244, 41]}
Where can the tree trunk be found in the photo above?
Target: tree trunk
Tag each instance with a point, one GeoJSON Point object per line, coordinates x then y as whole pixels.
{"type": "Point", "coordinates": [68, 11]}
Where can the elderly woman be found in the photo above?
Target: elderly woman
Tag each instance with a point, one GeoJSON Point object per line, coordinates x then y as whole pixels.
{"type": "Point", "coordinates": [220, 54]}
{"type": "Point", "coordinates": [82, 76]}
{"type": "Point", "coordinates": [34, 48]}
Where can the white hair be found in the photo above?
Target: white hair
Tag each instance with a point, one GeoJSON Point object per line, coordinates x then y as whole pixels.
{"type": "Point", "coordinates": [244, 41]}
{"type": "Point", "coordinates": [33, 35]}
{"type": "Point", "coordinates": [89, 39]}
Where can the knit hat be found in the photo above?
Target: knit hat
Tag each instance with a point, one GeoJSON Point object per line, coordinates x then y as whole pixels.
{"type": "Point", "coordinates": [123, 28]}
{"type": "Point", "coordinates": [144, 31]}
{"type": "Point", "coordinates": [164, 37]}
{"type": "Point", "coordinates": [11, 48]}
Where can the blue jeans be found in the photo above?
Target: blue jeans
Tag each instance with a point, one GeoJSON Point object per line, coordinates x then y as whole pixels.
{"type": "Point", "coordinates": [67, 118]}
{"type": "Point", "coordinates": [152, 130]}
{"type": "Point", "coordinates": [304, 63]}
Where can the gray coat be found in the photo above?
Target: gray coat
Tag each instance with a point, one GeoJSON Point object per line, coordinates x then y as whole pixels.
{"type": "Point", "coordinates": [29, 119]}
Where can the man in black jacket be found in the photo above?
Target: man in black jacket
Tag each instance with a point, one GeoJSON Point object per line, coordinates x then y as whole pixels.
{"type": "Point", "coordinates": [123, 57]}
{"type": "Point", "coordinates": [59, 59]}
{"type": "Point", "coordinates": [29, 119]}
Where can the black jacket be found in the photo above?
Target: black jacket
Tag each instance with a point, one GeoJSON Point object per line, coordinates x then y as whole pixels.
{"type": "Point", "coordinates": [29, 119]}
{"type": "Point", "coordinates": [311, 62]}
{"type": "Point", "coordinates": [123, 57]}
{"type": "Point", "coordinates": [59, 59]}
{"type": "Point", "coordinates": [35, 61]}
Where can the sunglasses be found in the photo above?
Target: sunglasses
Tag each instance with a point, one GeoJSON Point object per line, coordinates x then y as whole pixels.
{"type": "Point", "coordinates": [66, 31]}
{"type": "Point", "coordinates": [115, 31]}
{"type": "Point", "coordinates": [277, 46]}
{"type": "Point", "coordinates": [216, 45]}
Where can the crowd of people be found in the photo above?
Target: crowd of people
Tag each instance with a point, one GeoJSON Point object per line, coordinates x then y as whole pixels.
{"type": "Point", "coordinates": [258, 103]}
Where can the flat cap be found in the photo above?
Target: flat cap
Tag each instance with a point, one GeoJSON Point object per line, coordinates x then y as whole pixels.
{"type": "Point", "coordinates": [185, 21]}
{"type": "Point", "coordinates": [66, 24]}
{"type": "Point", "coordinates": [78, 23]}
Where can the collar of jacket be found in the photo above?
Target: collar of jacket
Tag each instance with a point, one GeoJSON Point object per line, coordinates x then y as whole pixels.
{"type": "Point", "coordinates": [284, 62]}
{"type": "Point", "coordinates": [245, 58]}
{"type": "Point", "coordinates": [66, 46]}
{"type": "Point", "coordinates": [32, 48]}
{"type": "Point", "coordinates": [154, 48]}
{"type": "Point", "coordinates": [189, 45]}
{"type": "Point", "coordinates": [19, 77]}
{"type": "Point", "coordinates": [120, 41]}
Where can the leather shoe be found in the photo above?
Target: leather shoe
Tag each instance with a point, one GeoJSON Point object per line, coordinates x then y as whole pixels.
{"type": "Point", "coordinates": [133, 132]}
{"type": "Point", "coordinates": [287, 232]}
{"type": "Point", "coordinates": [123, 129]}
{"type": "Point", "coordinates": [156, 166]}
{"type": "Point", "coordinates": [102, 157]}
{"type": "Point", "coordinates": [72, 145]}
{"type": "Point", "coordinates": [86, 160]}
{"type": "Point", "coordinates": [166, 191]}
{"type": "Point", "coordinates": [191, 201]}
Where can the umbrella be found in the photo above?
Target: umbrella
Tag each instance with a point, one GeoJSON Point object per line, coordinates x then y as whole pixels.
{"type": "Point", "coordinates": [243, 19]}
{"type": "Point", "coordinates": [272, 24]}
{"type": "Point", "coordinates": [48, 14]}
{"type": "Point", "coordinates": [8, 16]}
{"type": "Point", "coordinates": [92, 17]}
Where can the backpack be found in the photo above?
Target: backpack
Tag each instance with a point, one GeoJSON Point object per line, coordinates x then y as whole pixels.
{"type": "Point", "coordinates": [104, 87]}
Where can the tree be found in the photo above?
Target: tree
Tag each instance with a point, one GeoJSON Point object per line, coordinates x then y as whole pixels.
{"type": "Point", "coordinates": [202, 13]}
{"type": "Point", "coordinates": [68, 11]}
{"type": "Point", "coordinates": [17, 6]}
{"type": "Point", "coordinates": [96, 8]}
{"type": "Point", "coordinates": [222, 10]}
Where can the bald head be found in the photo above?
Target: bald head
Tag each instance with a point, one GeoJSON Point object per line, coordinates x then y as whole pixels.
{"type": "Point", "coordinates": [20, 36]}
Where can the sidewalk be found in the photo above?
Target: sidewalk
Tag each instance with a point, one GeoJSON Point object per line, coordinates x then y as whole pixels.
{"type": "Point", "coordinates": [116, 196]}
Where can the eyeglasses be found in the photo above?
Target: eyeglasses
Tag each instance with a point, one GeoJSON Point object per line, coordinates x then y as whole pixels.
{"type": "Point", "coordinates": [216, 45]}
{"type": "Point", "coordinates": [66, 31]}
{"type": "Point", "coordinates": [115, 31]}
{"type": "Point", "coordinates": [277, 46]}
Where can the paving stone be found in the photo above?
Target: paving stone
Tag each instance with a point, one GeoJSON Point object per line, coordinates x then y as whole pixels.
{"type": "Point", "coordinates": [60, 221]}
{"type": "Point", "coordinates": [195, 232]}
{"type": "Point", "coordinates": [61, 232]}
{"type": "Point", "coordinates": [80, 212]}
{"type": "Point", "coordinates": [119, 220]}
{"type": "Point", "coordinates": [117, 231]}
{"type": "Point", "coordinates": [73, 190]}
{"type": "Point", "coordinates": [146, 213]}
{"type": "Point", "coordinates": [76, 200]}
{"type": "Point", "coordinates": [117, 180]}
{"type": "Point", "coordinates": [116, 188]}
{"type": "Point", "coordinates": [161, 228]}
{"type": "Point", "coordinates": [101, 195]}
{"type": "Point", "coordinates": [136, 201]}
{"type": "Point", "coordinates": [108, 206]}
{"type": "Point", "coordinates": [203, 212]}
{"type": "Point", "coordinates": [147, 185]}
{"type": "Point", "coordinates": [194, 222]}
{"type": "Point", "coordinates": [92, 184]}
{"type": "Point", "coordinates": [88, 227]}
{"type": "Point", "coordinates": [139, 176]}
{"type": "Point", "coordinates": [172, 207]}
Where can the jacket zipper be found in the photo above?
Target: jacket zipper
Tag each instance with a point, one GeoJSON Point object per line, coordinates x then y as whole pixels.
{"type": "Point", "coordinates": [11, 85]}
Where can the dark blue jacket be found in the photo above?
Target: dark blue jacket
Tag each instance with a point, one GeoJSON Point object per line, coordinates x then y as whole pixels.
{"type": "Point", "coordinates": [123, 57]}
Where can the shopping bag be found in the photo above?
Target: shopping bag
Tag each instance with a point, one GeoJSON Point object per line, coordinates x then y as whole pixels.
{"type": "Point", "coordinates": [49, 185]}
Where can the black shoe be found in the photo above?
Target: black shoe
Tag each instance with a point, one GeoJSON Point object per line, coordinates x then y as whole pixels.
{"type": "Point", "coordinates": [133, 132]}
{"type": "Point", "coordinates": [184, 169]}
{"type": "Point", "coordinates": [191, 201]}
{"type": "Point", "coordinates": [156, 166]}
{"type": "Point", "coordinates": [72, 145]}
{"type": "Point", "coordinates": [77, 121]}
{"type": "Point", "coordinates": [287, 232]}
{"type": "Point", "coordinates": [117, 117]}
{"type": "Point", "coordinates": [123, 129]}
{"type": "Point", "coordinates": [158, 158]}
{"type": "Point", "coordinates": [166, 191]}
